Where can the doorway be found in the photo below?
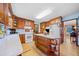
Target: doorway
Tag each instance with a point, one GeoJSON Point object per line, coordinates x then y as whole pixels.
{"type": "Point", "coordinates": [68, 47]}
{"type": "Point", "coordinates": [69, 27]}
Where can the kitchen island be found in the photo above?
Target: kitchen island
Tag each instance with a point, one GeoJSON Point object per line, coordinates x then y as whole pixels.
{"type": "Point", "coordinates": [47, 44]}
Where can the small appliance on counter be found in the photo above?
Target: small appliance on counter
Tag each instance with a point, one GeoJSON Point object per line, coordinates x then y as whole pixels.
{"type": "Point", "coordinates": [11, 31]}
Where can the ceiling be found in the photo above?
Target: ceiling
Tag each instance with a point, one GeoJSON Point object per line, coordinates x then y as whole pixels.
{"type": "Point", "coordinates": [31, 10]}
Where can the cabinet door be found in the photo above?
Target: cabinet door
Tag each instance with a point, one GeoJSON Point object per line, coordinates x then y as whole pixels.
{"type": "Point", "coordinates": [30, 23]}
{"type": "Point", "coordinates": [21, 23]}
{"type": "Point", "coordinates": [3, 12]}
{"type": "Point", "coordinates": [22, 38]}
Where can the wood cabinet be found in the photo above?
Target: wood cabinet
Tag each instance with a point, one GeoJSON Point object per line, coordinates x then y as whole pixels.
{"type": "Point", "coordinates": [4, 13]}
{"type": "Point", "coordinates": [6, 10]}
{"type": "Point", "coordinates": [22, 38]}
{"type": "Point", "coordinates": [1, 12]}
{"type": "Point", "coordinates": [43, 25]}
{"type": "Point", "coordinates": [48, 46]}
{"type": "Point", "coordinates": [30, 23]}
{"type": "Point", "coordinates": [20, 23]}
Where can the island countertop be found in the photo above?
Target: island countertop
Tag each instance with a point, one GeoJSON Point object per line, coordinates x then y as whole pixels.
{"type": "Point", "coordinates": [46, 36]}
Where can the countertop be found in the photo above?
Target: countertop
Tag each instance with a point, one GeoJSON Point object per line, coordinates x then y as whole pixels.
{"type": "Point", "coordinates": [10, 45]}
{"type": "Point", "coordinates": [46, 36]}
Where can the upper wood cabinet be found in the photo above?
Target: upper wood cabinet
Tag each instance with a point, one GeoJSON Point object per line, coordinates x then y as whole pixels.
{"type": "Point", "coordinates": [21, 23]}
{"type": "Point", "coordinates": [30, 23]}
{"type": "Point", "coordinates": [3, 13]}
{"type": "Point", "coordinates": [52, 21]}
{"type": "Point", "coordinates": [43, 25]}
{"type": "Point", "coordinates": [18, 23]}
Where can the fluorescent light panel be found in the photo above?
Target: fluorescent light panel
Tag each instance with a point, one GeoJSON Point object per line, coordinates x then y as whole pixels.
{"type": "Point", "coordinates": [44, 13]}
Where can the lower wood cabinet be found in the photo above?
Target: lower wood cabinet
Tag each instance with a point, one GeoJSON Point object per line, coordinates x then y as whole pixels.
{"type": "Point", "coordinates": [50, 47]}
{"type": "Point", "coordinates": [22, 38]}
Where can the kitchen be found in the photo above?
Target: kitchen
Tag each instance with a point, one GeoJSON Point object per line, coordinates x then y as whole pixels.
{"type": "Point", "coordinates": [21, 34]}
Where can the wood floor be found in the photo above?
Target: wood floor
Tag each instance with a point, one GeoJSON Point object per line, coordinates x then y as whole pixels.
{"type": "Point", "coordinates": [31, 50]}
{"type": "Point", "coordinates": [69, 48]}
{"type": "Point", "coordinates": [66, 49]}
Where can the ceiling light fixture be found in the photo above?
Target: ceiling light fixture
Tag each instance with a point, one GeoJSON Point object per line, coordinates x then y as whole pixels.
{"type": "Point", "coordinates": [44, 13]}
